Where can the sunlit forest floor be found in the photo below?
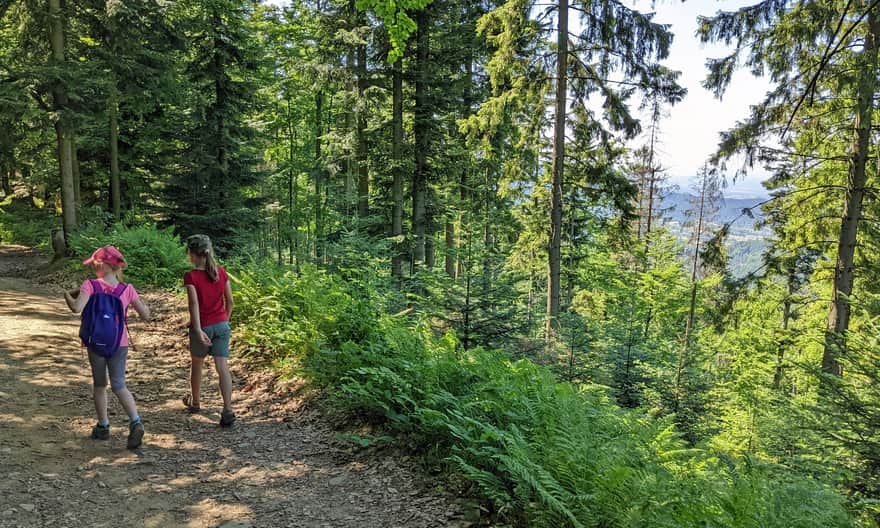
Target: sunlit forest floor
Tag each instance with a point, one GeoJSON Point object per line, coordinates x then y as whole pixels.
{"type": "Point", "coordinates": [281, 465]}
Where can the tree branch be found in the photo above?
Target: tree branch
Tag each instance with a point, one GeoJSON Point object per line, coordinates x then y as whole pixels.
{"type": "Point", "coordinates": [826, 57]}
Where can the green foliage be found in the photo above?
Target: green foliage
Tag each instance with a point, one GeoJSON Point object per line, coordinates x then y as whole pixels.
{"type": "Point", "coordinates": [542, 453]}
{"type": "Point", "coordinates": [308, 315]}
{"type": "Point", "coordinates": [850, 420]}
{"type": "Point", "coordinates": [210, 190]}
{"type": "Point", "coordinates": [268, 127]}
{"type": "Point", "coordinates": [26, 224]}
{"type": "Point", "coordinates": [155, 257]}
{"type": "Point", "coordinates": [394, 14]}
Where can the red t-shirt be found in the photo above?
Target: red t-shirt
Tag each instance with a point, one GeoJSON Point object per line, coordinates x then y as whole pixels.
{"type": "Point", "coordinates": [212, 309]}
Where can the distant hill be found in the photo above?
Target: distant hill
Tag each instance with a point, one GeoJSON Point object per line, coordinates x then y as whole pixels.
{"type": "Point", "coordinates": [745, 243]}
{"type": "Point", "coordinates": [729, 209]}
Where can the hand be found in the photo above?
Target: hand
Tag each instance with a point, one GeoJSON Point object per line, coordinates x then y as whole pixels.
{"type": "Point", "coordinates": [69, 299]}
{"type": "Point", "coordinates": [204, 337]}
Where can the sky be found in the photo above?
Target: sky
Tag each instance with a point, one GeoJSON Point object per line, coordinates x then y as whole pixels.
{"type": "Point", "coordinates": [689, 133]}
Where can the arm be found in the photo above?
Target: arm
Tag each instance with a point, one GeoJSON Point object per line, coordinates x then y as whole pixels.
{"type": "Point", "coordinates": [195, 320]}
{"type": "Point", "coordinates": [227, 299]}
{"type": "Point", "coordinates": [78, 302]}
{"type": "Point", "coordinates": [69, 298]}
{"type": "Point", "coordinates": [141, 308]}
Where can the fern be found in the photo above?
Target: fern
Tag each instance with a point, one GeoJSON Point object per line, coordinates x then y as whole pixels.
{"type": "Point", "coordinates": [492, 487]}
{"type": "Point", "coordinates": [541, 452]}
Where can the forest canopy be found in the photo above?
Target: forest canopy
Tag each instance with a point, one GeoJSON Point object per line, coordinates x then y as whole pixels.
{"type": "Point", "coordinates": [454, 213]}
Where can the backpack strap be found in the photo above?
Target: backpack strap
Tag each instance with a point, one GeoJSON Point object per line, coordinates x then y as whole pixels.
{"type": "Point", "coordinates": [120, 289]}
{"type": "Point", "coordinates": [97, 287]}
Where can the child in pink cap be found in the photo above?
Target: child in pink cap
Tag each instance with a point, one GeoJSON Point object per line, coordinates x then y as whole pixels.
{"type": "Point", "coordinates": [109, 263]}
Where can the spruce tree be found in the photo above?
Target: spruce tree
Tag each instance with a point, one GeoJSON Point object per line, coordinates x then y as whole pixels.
{"type": "Point", "coordinates": [780, 39]}
{"type": "Point", "coordinates": [207, 194]}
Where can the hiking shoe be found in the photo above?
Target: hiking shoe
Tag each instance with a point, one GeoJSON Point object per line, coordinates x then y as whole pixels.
{"type": "Point", "coordinates": [101, 432]}
{"type": "Point", "coordinates": [227, 418]}
{"type": "Point", "coordinates": [135, 434]}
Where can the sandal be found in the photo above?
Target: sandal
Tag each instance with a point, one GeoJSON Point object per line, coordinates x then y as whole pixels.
{"type": "Point", "coordinates": [187, 401]}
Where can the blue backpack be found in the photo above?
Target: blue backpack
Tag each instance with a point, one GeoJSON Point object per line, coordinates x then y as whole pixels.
{"type": "Point", "coordinates": [103, 320]}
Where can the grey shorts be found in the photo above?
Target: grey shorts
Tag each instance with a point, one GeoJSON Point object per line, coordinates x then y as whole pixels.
{"type": "Point", "coordinates": [115, 366]}
{"type": "Point", "coordinates": [218, 333]}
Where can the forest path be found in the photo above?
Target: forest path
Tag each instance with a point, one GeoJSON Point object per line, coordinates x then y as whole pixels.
{"type": "Point", "coordinates": [279, 466]}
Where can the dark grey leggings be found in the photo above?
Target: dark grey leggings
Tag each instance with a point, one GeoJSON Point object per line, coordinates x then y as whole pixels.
{"type": "Point", "coordinates": [115, 365]}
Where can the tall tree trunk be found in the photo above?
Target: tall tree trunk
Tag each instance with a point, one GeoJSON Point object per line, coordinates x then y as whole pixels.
{"type": "Point", "coordinates": [319, 174]}
{"type": "Point", "coordinates": [652, 172]}
{"type": "Point", "coordinates": [839, 315]}
{"type": "Point", "coordinates": [650, 210]}
{"type": "Point", "coordinates": [554, 250]}
{"type": "Point", "coordinates": [351, 156]}
{"type": "Point", "coordinates": [74, 165]}
{"type": "Point", "coordinates": [420, 134]}
{"type": "Point", "coordinates": [221, 104]}
{"type": "Point", "coordinates": [531, 296]}
{"type": "Point", "coordinates": [363, 174]}
{"type": "Point", "coordinates": [450, 248]}
{"type": "Point", "coordinates": [62, 126]}
{"type": "Point", "coordinates": [7, 176]}
{"type": "Point", "coordinates": [464, 177]}
{"type": "Point", "coordinates": [397, 171]}
{"type": "Point", "coordinates": [640, 201]}
{"type": "Point", "coordinates": [684, 354]}
{"type": "Point", "coordinates": [464, 227]}
{"type": "Point", "coordinates": [466, 338]}
{"type": "Point", "coordinates": [569, 273]}
{"type": "Point", "coordinates": [652, 190]}
{"type": "Point", "coordinates": [627, 397]}
{"type": "Point", "coordinates": [65, 158]}
{"type": "Point", "coordinates": [115, 193]}
{"type": "Point", "coordinates": [784, 341]}
{"type": "Point", "coordinates": [292, 191]}
{"type": "Point", "coordinates": [488, 234]}
{"type": "Point", "coordinates": [431, 230]}
{"type": "Point", "coordinates": [278, 238]}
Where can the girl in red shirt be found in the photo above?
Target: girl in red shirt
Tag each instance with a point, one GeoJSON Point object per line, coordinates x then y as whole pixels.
{"type": "Point", "coordinates": [210, 305]}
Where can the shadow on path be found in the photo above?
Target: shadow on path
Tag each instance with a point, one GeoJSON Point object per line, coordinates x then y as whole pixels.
{"type": "Point", "coordinates": [269, 470]}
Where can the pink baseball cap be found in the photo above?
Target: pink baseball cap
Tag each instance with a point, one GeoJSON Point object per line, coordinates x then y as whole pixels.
{"type": "Point", "coordinates": [108, 255]}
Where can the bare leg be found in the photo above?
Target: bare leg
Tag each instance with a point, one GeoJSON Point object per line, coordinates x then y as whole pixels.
{"type": "Point", "coordinates": [100, 396]}
{"type": "Point", "coordinates": [127, 401]}
{"type": "Point", "coordinates": [222, 365]}
{"type": "Point", "coordinates": [195, 379]}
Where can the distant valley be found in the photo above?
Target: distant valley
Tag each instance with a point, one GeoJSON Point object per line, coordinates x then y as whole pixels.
{"type": "Point", "coordinates": [746, 242]}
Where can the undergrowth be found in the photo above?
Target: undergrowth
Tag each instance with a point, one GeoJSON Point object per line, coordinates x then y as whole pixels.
{"type": "Point", "coordinates": [539, 452]}
{"type": "Point", "coordinates": [155, 257]}
{"type": "Point", "coordinates": [27, 222]}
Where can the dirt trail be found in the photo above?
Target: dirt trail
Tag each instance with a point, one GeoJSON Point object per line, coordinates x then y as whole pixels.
{"type": "Point", "coordinates": [278, 467]}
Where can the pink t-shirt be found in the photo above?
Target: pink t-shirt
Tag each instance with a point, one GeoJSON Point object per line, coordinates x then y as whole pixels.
{"type": "Point", "coordinates": [129, 295]}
